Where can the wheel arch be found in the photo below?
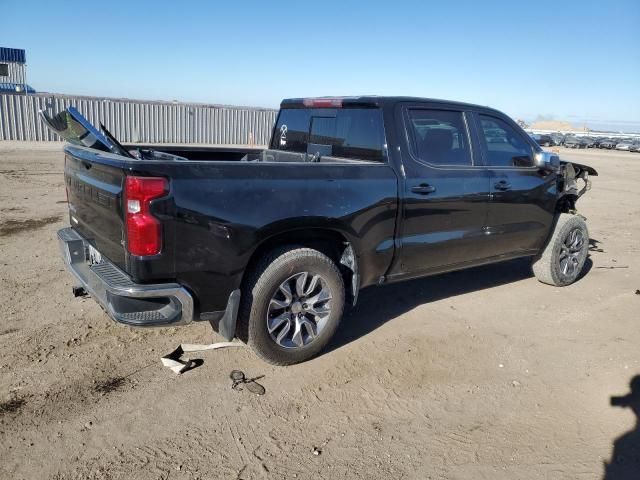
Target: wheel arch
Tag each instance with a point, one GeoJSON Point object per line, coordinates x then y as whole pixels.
{"type": "Point", "coordinates": [332, 242]}
{"type": "Point", "coordinates": [566, 204]}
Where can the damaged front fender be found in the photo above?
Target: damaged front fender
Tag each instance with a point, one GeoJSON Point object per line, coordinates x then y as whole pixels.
{"type": "Point", "coordinates": [573, 182]}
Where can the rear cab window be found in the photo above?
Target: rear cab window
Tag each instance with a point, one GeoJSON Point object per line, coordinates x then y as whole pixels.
{"type": "Point", "coordinates": [331, 133]}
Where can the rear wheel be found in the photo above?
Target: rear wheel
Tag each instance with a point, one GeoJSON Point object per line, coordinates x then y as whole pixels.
{"type": "Point", "coordinates": [562, 260]}
{"type": "Point", "coordinates": [291, 305]}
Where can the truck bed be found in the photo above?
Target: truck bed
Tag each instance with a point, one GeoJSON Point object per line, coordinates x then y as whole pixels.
{"type": "Point", "coordinates": [218, 212]}
{"type": "Point", "coordinates": [201, 152]}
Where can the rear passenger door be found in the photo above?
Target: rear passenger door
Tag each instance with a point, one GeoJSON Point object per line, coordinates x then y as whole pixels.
{"type": "Point", "coordinates": [445, 192]}
{"type": "Point", "coordinates": [522, 197]}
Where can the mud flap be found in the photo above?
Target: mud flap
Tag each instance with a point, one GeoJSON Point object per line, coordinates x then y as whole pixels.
{"type": "Point", "coordinates": [227, 325]}
{"type": "Point", "coordinates": [349, 260]}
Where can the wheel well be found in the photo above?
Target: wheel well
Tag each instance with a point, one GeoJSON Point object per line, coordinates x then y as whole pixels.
{"type": "Point", "coordinates": [330, 242]}
{"type": "Point", "coordinates": [566, 204]}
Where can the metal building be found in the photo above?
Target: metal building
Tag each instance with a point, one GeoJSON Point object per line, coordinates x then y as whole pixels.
{"type": "Point", "coordinates": [13, 70]}
{"type": "Point", "coordinates": [138, 121]}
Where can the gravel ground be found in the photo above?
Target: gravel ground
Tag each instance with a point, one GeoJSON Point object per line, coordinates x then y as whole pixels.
{"type": "Point", "coordinates": [481, 374]}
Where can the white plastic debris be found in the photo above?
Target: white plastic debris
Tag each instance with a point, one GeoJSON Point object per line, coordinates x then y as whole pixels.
{"type": "Point", "coordinates": [178, 366]}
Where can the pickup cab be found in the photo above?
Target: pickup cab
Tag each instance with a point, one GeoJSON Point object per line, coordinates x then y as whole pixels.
{"type": "Point", "coordinates": [271, 245]}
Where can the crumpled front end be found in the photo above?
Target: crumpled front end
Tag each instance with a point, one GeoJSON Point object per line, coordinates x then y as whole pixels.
{"type": "Point", "coordinates": [573, 182]}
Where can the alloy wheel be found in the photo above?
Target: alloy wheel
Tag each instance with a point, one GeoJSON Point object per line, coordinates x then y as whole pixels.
{"type": "Point", "coordinates": [298, 310]}
{"type": "Point", "coordinates": [571, 252]}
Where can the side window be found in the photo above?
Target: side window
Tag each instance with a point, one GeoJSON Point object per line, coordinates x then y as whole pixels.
{"type": "Point", "coordinates": [439, 137]}
{"type": "Point", "coordinates": [504, 146]}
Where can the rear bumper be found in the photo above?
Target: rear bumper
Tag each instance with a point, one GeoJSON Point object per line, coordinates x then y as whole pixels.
{"type": "Point", "coordinates": [141, 305]}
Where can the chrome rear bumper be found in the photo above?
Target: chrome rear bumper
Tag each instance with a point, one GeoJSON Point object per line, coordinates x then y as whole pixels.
{"type": "Point", "coordinates": [140, 305]}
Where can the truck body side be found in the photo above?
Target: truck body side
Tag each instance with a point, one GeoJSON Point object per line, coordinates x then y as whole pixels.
{"type": "Point", "coordinates": [397, 217]}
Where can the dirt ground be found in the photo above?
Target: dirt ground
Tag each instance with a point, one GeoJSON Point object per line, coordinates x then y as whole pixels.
{"type": "Point", "coordinates": [481, 374]}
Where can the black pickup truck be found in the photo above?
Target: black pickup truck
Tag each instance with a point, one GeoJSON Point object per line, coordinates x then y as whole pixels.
{"type": "Point", "coordinates": [270, 245]}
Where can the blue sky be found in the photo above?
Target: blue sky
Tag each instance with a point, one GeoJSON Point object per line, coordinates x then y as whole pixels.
{"type": "Point", "coordinates": [576, 61]}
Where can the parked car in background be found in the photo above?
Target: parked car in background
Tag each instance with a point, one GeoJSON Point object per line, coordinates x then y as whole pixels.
{"type": "Point", "coordinates": [574, 142]}
{"type": "Point", "coordinates": [589, 142]}
{"type": "Point", "coordinates": [625, 144]}
{"type": "Point", "coordinates": [635, 147]}
{"type": "Point", "coordinates": [609, 143]}
{"type": "Point", "coordinates": [558, 138]}
{"type": "Point", "coordinates": [543, 139]}
{"type": "Point", "coordinates": [598, 140]}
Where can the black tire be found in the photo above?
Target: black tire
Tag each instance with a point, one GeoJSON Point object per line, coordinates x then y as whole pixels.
{"type": "Point", "coordinates": [550, 266]}
{"type": "Point", "coordinates": [263, 283]}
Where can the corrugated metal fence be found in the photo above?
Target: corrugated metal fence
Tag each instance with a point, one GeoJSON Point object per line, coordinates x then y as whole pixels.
{"type": "Point", "coordinates": [139, 121]}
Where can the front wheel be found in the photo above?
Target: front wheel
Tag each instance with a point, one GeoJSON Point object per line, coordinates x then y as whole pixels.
{"type": "Point", "coordinates": [562, 260]}
{"type": "Point", "coordinates": [291, 305]}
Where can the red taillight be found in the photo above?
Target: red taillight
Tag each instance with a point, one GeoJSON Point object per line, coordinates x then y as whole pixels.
{"type": "Point", "coordinates": [144, 232]}
{"type": "Point", "coordinates": [322, 102]}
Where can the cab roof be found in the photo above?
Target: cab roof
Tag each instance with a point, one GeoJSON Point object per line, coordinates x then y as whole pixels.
{"type": "Point", "coordinates": [368, 101]}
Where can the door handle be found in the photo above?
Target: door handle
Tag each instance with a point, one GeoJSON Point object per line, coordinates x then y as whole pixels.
{"type": "Point", "coordinates": [423, 189]}
{"type": "Point", "coordinates": [502, 185]}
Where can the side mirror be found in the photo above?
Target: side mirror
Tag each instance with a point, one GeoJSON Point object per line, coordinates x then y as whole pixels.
{"type": "Point", "coordinates": [547, 161]}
